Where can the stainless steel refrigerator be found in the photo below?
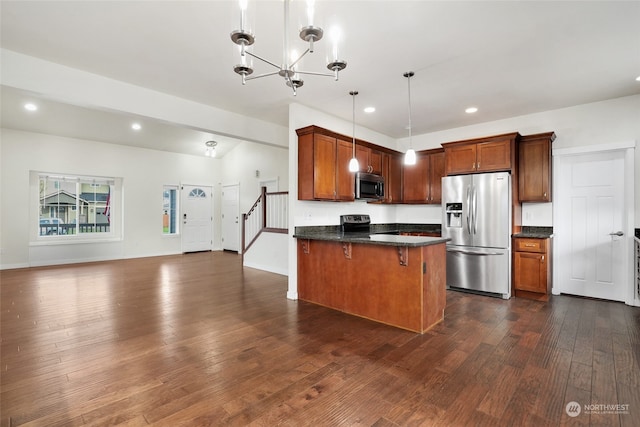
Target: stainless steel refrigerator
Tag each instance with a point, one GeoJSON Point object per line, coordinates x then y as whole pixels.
{"type": "Point", "coordinates": [476, 216]}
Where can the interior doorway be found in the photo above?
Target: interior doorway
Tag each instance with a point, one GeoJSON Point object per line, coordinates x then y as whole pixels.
{"type": "Point", "coordinates": [593, 223]}
{"type": "Point", "coordinates": [230, 217]}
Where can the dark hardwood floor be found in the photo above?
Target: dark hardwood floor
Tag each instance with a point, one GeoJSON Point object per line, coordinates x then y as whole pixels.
{"type": "Point", "coordinates": [196, 340]}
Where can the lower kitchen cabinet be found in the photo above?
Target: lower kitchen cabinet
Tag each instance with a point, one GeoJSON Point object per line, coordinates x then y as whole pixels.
{"type": "Point", "coordinates": [532, 268]}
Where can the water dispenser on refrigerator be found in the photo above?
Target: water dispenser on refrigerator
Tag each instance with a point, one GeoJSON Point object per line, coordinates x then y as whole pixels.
{"type": "Point", "coordinates": [453, 214]}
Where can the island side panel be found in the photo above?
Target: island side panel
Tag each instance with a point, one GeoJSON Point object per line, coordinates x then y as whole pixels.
{"type": "Point", "coordinates": [365, 280]}
{"type": "Point", "coordinates": [316, 273]}
{"type": "Point", "coordinates": [435, 288]}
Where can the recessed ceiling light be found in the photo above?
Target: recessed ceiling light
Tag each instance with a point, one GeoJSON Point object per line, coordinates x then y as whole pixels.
{"type": "Point", "coordinates": [30, 107]}
{"type": "Point", "coordinates": [638, 79]}
{"type": "Point", "coordinates": [471, 110]}
{"type": "Point", "coordinates": [136, 126]}
{"type": "Point", "coordinates": [370, 109]}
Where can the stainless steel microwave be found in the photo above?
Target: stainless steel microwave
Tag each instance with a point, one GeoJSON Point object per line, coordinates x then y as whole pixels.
{"type": "Point", "coordinates": [369, 186]}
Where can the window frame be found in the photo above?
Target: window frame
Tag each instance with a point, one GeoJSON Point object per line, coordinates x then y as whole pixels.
{"type": "Point", "coordinates": [176, 189]}
{"type": "Point", "coordinates": [114, 208]}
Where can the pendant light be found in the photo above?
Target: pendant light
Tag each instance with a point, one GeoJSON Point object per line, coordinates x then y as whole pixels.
{"type": "Point", "coordinates": [410, 155]}
{"type": "Point", "coordinates": [353, 163]}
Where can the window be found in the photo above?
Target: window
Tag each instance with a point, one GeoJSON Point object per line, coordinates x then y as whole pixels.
{"type": "Point", "coordinates": [170, 209]}
{"type": "Point", "coordinates": [70, 207]}
{"type": "Point", "coordinates": [197, 193]}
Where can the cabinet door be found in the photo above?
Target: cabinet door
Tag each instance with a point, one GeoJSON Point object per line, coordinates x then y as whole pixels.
{"type": "Point", "coordinates": [534, 171]}
{"type": "Point", "coordinates": [375, 161]}
{"type": "Point", "coordinates": [493, 156]}
{"type": "Point", "coordinates": [345, 180]}
{"type": "Point", "coordinates": [436, 172]}
{"type": "Point", "coordinates": [324, 167]}
{"type": "Point", "coordinates": [392, 172]}
{"type": "Point", "coordinates": [415, 181]}
{"type": "Point", "coordinates": [460, 159]}
{"type": "Point", "coordinates": [530, 272]}
{"type": "Point", "coordinates": [362, 154]}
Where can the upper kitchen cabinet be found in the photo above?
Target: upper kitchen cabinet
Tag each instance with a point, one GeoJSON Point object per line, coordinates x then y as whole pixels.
{"type": "Point", "coordinates": [423, 181]}
{"type": "Point", "coordinates": [534, 167]}
{"type": "Point", "coordinates": [436, 172]}
{"type": "Point", "coordinates": [369, 159]}
{"type": "Point", "coordinates": [415, 180]}
{"type": "Point", "coordinates": [490, 154]}
{"type": "Point", "coordinates": [323, 165]}
{"type": "Point", "coordinates": [392, 173]}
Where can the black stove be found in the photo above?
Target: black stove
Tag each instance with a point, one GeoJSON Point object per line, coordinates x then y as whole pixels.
{"type": "Point", "coordinates": [355, 223]}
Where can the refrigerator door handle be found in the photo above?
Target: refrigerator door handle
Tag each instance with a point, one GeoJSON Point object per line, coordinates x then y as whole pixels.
{"type": "Point", "coordinates": [468, 252]}
{"type": "Point", "coordinates": [469, 209]}
{"type": "Point", "coordinates": [474, 198]}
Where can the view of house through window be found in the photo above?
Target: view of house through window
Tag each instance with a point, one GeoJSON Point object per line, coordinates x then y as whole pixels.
{"type": "Point", "coordinates": [74, 205]}
{"type": "Point", "coordinates": [170, 210]}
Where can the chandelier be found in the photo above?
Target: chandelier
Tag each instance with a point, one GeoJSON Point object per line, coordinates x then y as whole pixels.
{"type": "Point", "coordinates": [210, 150]}
{"type": "Point", "coordinates": [288, 68]}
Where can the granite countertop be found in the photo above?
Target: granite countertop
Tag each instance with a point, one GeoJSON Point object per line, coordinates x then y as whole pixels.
{"type": "Point", "coordinates": [380, 234]}
{"type": "Point", "coordinates": [535, 232]}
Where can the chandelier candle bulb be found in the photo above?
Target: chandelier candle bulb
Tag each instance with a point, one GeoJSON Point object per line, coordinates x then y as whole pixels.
{"type": "Point", "coordinates": [288, 70]}
{"type": "Point", "coordinates": [243, 13]}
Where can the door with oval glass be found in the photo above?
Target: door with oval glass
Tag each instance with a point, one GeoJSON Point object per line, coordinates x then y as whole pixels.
{"type": "Point", "coordinates": [196, 218]}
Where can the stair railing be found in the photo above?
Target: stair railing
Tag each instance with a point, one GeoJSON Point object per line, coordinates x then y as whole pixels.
{"type": "Point", "coordinates": [269, 213]}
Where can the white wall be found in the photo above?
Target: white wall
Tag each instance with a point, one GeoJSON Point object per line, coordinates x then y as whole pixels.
{"type": "Point", "coordinates": [606, 122]}
{"type": "Point", "coordinates": [143, 171]}
{"type": "Point", "coordinates": [269, 253]}
{"type": "Point", "coordinates": [240, 165]}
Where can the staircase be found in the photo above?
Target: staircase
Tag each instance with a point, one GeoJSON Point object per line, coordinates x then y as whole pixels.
{"type": "Point", "coordinates": [269, 213]}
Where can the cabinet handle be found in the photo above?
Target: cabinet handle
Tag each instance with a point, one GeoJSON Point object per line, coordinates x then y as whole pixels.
{"type": "Point", "coordinates": [478, 166]}
{"type": "Point", "coordinates": [529, 245]}
{"type": "Point", "coordinates": [542, 259]}
{"type": "Point", "coordinates": [545, 194]}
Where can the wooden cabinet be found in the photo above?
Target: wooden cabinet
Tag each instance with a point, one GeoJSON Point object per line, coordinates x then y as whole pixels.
{"type": "Point", "coordinates": [370, 160]}
{"type": "Point", "coordinates": [532, 267]}
{"type": "Point", "coordinates": [492, 154]}
{"type": "Point", "coordinates": [436, 172]}
{"type": "Point", "coordinates": [323, 166]}
{"type": "Point", "coordinates": [403, 286]}
{"type": "Point", "coordinates": [422, 182]}
{"type": "Point", "coordinates": [534, 167]}
{"type": "Point", "coordinates": [392, 173]}
{"type": "Point", "coordinates": [415, 185]}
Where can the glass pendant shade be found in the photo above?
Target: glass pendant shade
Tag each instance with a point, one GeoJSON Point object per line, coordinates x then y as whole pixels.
{"type": "Point", "coordinates": [354, 166]}
{"type": "Point", "coordinates": [410, 157]}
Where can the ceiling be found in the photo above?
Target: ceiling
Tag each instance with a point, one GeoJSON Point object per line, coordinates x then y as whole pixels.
{"type": "Point", "coordinates": [507, 58]}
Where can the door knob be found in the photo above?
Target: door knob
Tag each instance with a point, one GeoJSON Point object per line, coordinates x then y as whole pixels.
{"type": "Point", "coordinates": [617, 233]}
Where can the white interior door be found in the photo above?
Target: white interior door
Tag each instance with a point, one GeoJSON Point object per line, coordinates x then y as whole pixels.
{"type": "Point", "coordinates": [592, 237]}
{"type": "Point", "coordinates": [197, 218]}
{"type": "Point", "coordinates": [271, 184]}
{"type": "Point", "coordinates": [230, 217]}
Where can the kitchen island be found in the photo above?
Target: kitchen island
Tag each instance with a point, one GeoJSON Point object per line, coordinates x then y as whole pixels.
{"type": "Point", "coordinates": [397, 279]}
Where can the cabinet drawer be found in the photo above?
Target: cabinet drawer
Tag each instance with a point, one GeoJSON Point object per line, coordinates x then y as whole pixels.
{"type": "Point", "coordinates": [531, 245]}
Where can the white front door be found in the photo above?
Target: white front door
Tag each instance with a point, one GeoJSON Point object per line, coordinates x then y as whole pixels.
{"type": "Point", "coordinates": [230, 217]}
{"type": "Point", "coordinates": [591, 229]}
{"type": "Point", "coordinates": [197, 220]}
